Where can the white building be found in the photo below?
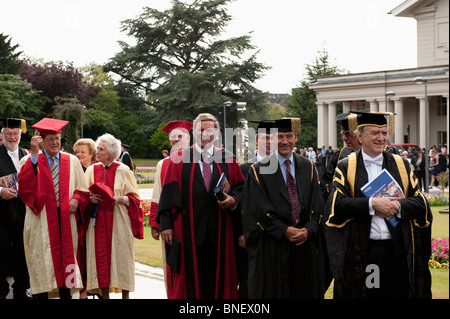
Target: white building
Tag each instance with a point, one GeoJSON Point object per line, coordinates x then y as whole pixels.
{"type": "Point", "coordinates": [404, 97]}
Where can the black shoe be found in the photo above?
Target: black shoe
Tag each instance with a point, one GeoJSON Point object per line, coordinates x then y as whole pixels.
{"type": "Point", "coordinates": [22, 295]}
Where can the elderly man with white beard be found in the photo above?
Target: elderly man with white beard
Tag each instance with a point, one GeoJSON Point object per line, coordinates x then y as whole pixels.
{"type": "Point", "coordinates": [12, 211]}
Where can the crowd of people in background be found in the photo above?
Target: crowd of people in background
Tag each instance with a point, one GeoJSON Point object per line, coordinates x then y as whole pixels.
{"type": "Point", "coordinates": [438, 161]}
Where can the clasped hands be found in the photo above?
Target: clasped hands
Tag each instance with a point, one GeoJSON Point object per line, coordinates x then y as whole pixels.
{"type": "Point", "coordinates": [296, 235]}
{"type": "Point", "coordinates": [386, 207]}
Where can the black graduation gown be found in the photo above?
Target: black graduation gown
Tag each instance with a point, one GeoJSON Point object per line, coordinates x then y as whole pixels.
{"type": "Point", "coordinates": [126, 159]}
{"type": "Point", "coordinates": [348, 223]}
{"type": "Point", "coordinates": [277, 267]}
{"type": "Point", "coordinates": [328, 173]}
{"type": "Point", "coordinates": [12, 217]}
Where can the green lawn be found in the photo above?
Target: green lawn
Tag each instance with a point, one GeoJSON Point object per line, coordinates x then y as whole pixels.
{"type": "Point", "coordinates": [139, 162]}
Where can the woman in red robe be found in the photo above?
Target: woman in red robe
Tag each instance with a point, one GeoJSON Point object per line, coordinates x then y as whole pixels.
{"type": "Point", "coordinates": [116, 219]}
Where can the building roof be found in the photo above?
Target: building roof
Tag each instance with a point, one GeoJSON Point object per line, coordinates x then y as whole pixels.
{"type": "Point", "coordinates": [408, 7]}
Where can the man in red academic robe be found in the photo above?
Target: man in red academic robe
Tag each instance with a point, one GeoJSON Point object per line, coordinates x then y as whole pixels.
{"type": "Point", "coordinates": [178, 132]}
{"type": "Point", "coordinates": [53, 187]}
{"type": "Point", "coordinates": [189, 213]}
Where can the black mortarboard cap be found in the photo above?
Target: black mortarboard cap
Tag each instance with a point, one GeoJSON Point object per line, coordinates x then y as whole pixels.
{"type": "Point", "coordinates": [264, 126]}
{"type": "Point", "coordinates": [288, 124]}
{"type": "Point", "coordinates": [377, 119]}
{"type": "Point", "coordinates": [14, 123]}
{"type": "Point", "coordinates": [343, 118]}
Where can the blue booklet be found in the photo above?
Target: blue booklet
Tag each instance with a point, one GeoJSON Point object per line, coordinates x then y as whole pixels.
{"type": "Point", "coordinates": [384, 185]}
{"type": "Point", "coordinates": [9, 181]}
{"type": "Point", "coordinates": [223, 186]}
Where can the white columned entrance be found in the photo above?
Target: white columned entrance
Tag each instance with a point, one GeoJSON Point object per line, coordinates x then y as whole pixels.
{"type": "Point", "coordinates": [322, 124]}
{"type": "Point", "coordinates": [422, 123]}
{"type": "Point", "coordinates": [346, 107]}
{"type": "Point", "coordinates": [332, 126]}
{"type": "Point", "coordinates": [398, 121]}
{"type": "Point", "coordinates": [373, 105]}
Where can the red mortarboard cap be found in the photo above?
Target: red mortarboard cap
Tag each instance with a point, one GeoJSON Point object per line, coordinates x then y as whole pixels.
{"type": "Point", "coordinates": [50, 126]}
{"type": "Point", "coordinates": [182, 125]}
{"type": "Point", "coordinates": [104, 191]}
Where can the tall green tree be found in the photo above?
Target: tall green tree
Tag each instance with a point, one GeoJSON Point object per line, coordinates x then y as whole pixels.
{"type": "Point", "coordinates": [117, 110]}
{"type": "Point", "coordinates": [19, 100]}
{"type": "Point", "coordinates": [302, 100]}
{"type": "Point", "coordinates": [181, 66]}
{"type": "Point", "coordinates": [9, 56]}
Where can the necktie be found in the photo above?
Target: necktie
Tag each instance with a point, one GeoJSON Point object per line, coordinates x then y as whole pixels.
{"type": "Point", "coordinates": [293, 195]}
{"type": "Point", "coordinates": [206, 170]}
{"type": "Point", "coordinates": [55, 176]}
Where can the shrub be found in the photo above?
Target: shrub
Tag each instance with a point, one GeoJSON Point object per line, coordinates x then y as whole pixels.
{"type": "Point", "coordinates": [437, 199]}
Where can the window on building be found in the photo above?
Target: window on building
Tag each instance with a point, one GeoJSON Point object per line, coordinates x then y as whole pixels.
{"type": "Point", "coordinates": [442, 137]}
{"type": "Point", "coordinates": [442, 106]}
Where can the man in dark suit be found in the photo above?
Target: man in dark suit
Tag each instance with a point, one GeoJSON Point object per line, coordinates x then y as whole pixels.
{"type": "Point", "coordinates": [264, 147]}
{"type": "Point", "coordinates": [189, 212]}
{"type": "Point", "coordinates": [12, 212]}
{"type": "Point", "coordinates": [125, 157]}
{"type": "Point", "coordinates": [320, 162]}
{"type": "Point", "coordinates": [379, 247]}
{"type": "Point", "coordinates": [281, 208]}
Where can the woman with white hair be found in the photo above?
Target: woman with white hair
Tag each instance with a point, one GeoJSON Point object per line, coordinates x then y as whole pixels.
{"type": "Point", "coordinates": [116, 218]}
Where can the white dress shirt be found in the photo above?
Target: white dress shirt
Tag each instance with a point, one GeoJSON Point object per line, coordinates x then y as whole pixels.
{"type": "Point", "coordinates": [209, 152]}
{"type": "Point", "coordinates": [378, 227]}
{"type": "Point", "coordinates": [15, 158]}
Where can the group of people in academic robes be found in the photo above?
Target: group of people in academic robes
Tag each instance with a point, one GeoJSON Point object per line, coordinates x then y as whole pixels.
{"type": "Point", "coordinates": [267, 228]}
{"type": "Point", "coordinates": [280, 232]}
{"type": "Point", "coordinates": [64, 208]}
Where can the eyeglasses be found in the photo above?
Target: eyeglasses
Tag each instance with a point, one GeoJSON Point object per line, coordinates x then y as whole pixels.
{"type": "Point", "coordinates": [53, 139]}
{"type": "Point", "coordinates": [11, 134]}
{"type": "Point", "coordinates": [346, 134]}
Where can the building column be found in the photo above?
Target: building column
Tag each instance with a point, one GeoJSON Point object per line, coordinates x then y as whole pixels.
{"type": "Point", "coordinates": [382, 106]}
{"type": "Point", "coordinates": [446, 98]}
{"type": "Point", "coordinates": [322, 124]}
{"type": "Point", "coordinates": [373, 105]}
{"type": "Point", "coordinates": [422, 123]}
{"type": "Point", "coordinates": [398, 121]}
{"type": "Point", "coordinates": [390, 108]}
{"type": "Point", "coordinates": [332, 126]}
{"type": "Point", "coordinates": [346, 107]}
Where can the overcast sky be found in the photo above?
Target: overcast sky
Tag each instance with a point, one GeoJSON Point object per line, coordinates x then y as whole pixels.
{"type": "Point", "coordinates": [359, 35]}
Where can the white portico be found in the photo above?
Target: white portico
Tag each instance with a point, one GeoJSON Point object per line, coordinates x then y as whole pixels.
{"type": "Point", "coordinates": [405, 97]}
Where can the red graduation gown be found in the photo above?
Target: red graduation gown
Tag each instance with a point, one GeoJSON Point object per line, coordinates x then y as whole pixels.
{"type": "Point", "coordinates": [177, 200]}
{"type": "Point", "coordinates": [34, 191]}
{"type": "Point", "coordinates": [104, 223]}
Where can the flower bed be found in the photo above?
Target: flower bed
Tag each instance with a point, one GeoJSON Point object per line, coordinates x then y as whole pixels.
{"type": "Point", "coordinates": [146, 208]}
{"type": "Point", "coordinates": [439, 253]}
{"type": "Point", "coordinates": [437, 199]}
{"type": "Point", "coordinates": [145, 170]}
{"type": "Point", "coordinates": [144, 175]}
